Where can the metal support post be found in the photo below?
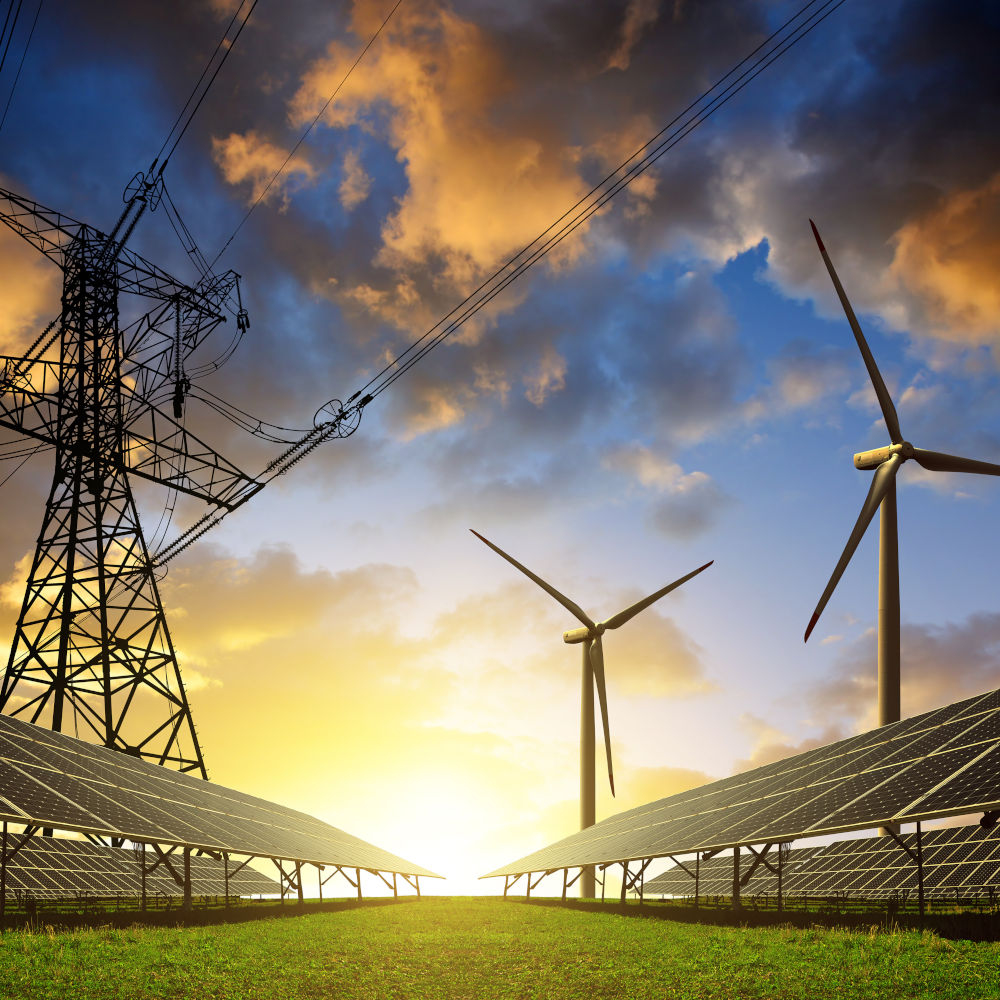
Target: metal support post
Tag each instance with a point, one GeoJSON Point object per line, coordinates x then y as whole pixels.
{"type": "Point", "coordinates": [225, 862]}
{"type": "Point", "coordinates": [506, 885]}
{"type": "Point", "coordinates": [697, 876]}
{"type": "Point", "coordinates": [736, 878]}
{"type": "Point", "coordinates": [142, 874]}
{"type": "Point", "coordinates": [416, 882]}
{"type": "Point", "coordinates": [920, 873]}
{"type": "Point", "coordinates": [527, 892]}
{"type": "Point", "coordinates": [298, 880]}
{"type": "Point", "coordinates": [624, 881]}
{"type": "Point", "coordinates": [395, 891]}
{"type": "Point", "coordinates": [565, 879]}
{"type": "Point", "coordinates": [781, 857]}
{"type": "Point", "coordinates": [3, 876]}
{"type": "Point", "coordinates": [187, 878]}
{"type": "Point", "coordinates": [357, 875]}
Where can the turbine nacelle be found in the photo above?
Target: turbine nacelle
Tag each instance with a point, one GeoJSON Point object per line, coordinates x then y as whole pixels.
{"type": "Point", "coordinates": [870, 460]}
{"type": "Point", "coordinates": [576, 635]}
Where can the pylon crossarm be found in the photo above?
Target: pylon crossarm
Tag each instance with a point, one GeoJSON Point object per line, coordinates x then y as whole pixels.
{"type": "Point", "coordinates": [29, 397]}
{"type": "Point", "coordinates": [56, 235]}
{"type": "Point", "coordinates": [158, 448]}
{"type": "Point", "coordinates": [46, 230]}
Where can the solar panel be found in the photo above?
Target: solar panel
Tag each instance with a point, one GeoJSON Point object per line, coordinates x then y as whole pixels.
{"type": "Point", "coordinates": [941, 763]}
{"type": "Point", "coordinates": [877, 867]}
{"type": "Point", "coordinates": [56, 868]}
{"type": "Point", "coordinates": [715, 876]}
{"type": "Point", "coordinates": [48, 779]}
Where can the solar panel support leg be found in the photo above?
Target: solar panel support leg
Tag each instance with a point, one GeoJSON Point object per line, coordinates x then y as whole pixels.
{"type": "Point", "coordinates": [3, 877]}
{"type": "Point", "coordinates": [416, 882]}
{"type": "Point", "coordinates": [395, 891]}
{"type": "Point", "coordinates": [225, 861]}
{"type": "Point", "coordinates": [624, 881]}
{"type": "Point", "coordinates": [565, 878]}
{"type": "Point", "coordinates": [781, 855]}
{"type": "Point", "coordinates": [697, 876]}
{"type": "Point", "coordinates": [357, 875]}
{"type": "Point", "coordinates": [142, 876]}
{"type": "Point", "coordinates": [298, 881]}
{"type": "Point", "coordinates": [920, 874]}
{"type": "Point", "coordinates": [187, 878]}
{"type": "Point", "coordinates": [736, 878]}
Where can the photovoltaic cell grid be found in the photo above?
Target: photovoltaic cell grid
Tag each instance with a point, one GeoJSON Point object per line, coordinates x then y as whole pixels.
{"type": "Point", "coordinates": [54, 868]}
{"type": "Point", "coordinates": [959, 861]}
{"type": "Point", "coordinates": [715, 876]}
{"type": "Point", "coordinates": [941, 763]}
{"type": "Point", "coordinates": [53, 780]}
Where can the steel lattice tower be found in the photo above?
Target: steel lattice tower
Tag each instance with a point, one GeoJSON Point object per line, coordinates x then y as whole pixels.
{"type": "Point", "coordinates": [91, 650]}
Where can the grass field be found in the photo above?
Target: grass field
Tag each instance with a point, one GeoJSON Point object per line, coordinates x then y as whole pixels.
{"type": "Point", "coordinates": [486, 948]}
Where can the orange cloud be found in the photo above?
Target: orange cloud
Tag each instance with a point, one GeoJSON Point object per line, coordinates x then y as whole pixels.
{"type": "Point", "coordinates": [477, 189]}
{"type": "Point", "coordinates": [251, 158]}
{"type": "Point", "coordinates": [29, 293]}
{"type": "Point", "coordinates": [947, 259]}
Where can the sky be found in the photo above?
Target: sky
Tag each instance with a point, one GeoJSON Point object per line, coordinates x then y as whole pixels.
{"type": "Point", "coordinates": [676, 383]}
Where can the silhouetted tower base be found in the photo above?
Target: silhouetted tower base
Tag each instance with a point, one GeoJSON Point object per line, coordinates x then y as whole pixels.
{"type": "Point", "coordinates": [91, 653]}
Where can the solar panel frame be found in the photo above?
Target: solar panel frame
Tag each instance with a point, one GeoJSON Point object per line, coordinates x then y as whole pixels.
{"type": "Point", "coordinates": [63, 783]}
{"type": "Point", "coordinates": [783, 801]}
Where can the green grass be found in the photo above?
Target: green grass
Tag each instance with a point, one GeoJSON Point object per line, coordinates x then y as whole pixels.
{"type": "Point", "coordinates": [488, 948]}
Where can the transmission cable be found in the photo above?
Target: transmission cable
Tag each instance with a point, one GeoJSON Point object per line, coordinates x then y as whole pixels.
{"type": "Point", "coordinates": [767, 52]}
{"type": "Point", "coordinates": [772, 48]}
{"type": "Point", "coordinates": [226, 46]}
{"type": "Point", "coordinates": [302, 138]}
{"type": "Point", "coordinates": [20, 65]}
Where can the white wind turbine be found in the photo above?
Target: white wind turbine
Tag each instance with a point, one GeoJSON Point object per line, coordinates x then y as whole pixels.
{"type": "Point", "coordinates": [592, 674]}
{"type": "Point", "coordinates": [885, 462]}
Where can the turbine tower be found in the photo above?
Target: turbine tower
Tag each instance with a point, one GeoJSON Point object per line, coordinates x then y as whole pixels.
{"type": "Point", "coordinates": [91, 650]}
{"type": "Point", "coordinates": [592, 674]}
{"type": "Point", "coordinates": [885, 462]}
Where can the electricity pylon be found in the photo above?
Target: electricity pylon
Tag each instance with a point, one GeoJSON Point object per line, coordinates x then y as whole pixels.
{"type": "Point", "coordinates": [91, 649]}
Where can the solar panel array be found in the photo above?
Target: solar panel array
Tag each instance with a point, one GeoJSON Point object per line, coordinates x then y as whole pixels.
{"type": "Point", "coordinates": [941, 763]}
{"type": "Point", "coordinates": [53, 780]}
{"type": "Point", "coordinates": [715, 876]}
{"type": "Point", "coordinates": [55, 868]}
{"type": "Point", "coordinates": [962, 861]}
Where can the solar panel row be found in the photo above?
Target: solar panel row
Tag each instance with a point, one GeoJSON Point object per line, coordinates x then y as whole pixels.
{"type": "Point", "coordinates": [54, 868]}
{"type": "Point", "coordinates": [941, 763]}
{"type": "Point", "coordinates": [715, 876]}
{"type": "Point", "coordinates": [961, 861]}
{"type": "Point", "coordinates": [49, 779]}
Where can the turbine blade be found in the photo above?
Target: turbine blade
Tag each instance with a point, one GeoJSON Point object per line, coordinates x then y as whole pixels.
{"type": "Point", "coordinates": [597, 662]}
{"type": "Point", "coordinates": [882, 480]}
{"type": "Point", "coordinates": [623, 616]}
{"type": "Point", "coordinates": [884, 399]}
{"type": "Point", "coordinates": [937, 461]}
{"type": "Point", "coordinates": [572, 608]}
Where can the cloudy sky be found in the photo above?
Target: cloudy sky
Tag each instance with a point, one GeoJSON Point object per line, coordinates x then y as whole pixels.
{"type": "Point", "coordinates": [675, 383]}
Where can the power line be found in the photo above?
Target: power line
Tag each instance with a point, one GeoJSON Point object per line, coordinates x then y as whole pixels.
{"type": "Point", "coordinates": [225, 46]}
{"type": "Point", "coordinates": [302, 138]}
{"type": "Point", "coordinates": [17, 75]}
{"type": "Point", "coordinates": [345, 417]}
{"type": "Point", "coordinates": [773, 47]}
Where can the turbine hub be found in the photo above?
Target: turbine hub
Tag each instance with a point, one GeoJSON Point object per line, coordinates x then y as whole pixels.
{"type": "Point", "coordinates": [870, 460]}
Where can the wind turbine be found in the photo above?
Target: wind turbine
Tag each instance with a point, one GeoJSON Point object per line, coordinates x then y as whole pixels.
{"type": "Point", "coordinates": [882, 495]}
{"type": "Point", "coordinates": [593, 673]}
